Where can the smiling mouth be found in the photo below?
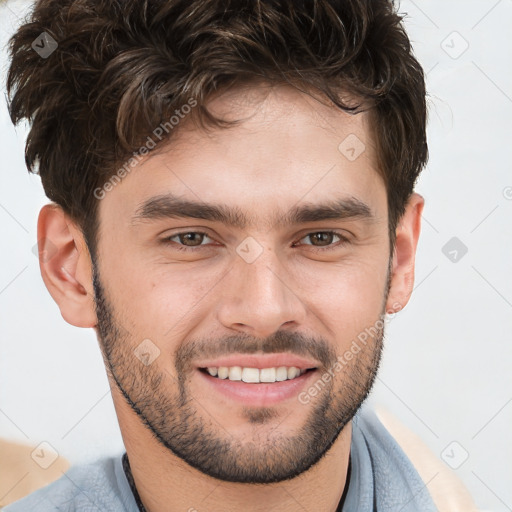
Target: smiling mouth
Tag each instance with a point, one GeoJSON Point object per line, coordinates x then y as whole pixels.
{"type": "Point", "coordinates": [256, 375]}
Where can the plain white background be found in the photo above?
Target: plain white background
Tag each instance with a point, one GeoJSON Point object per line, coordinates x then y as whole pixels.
{"type": "Point", "coordinates": [446, 368]}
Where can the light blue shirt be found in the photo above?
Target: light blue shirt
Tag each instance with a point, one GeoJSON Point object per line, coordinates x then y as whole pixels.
{"type": "Point", "coordinates": [382, 479]}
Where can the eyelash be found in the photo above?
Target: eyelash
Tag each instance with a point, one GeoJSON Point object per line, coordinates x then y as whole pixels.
{"type": "Point", "coordinates": [343, 240]}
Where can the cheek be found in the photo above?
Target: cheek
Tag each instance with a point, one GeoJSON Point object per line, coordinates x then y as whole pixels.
{"type": "Point", "coordinates": [347, 298]}
{"type": "Point", "coordinates": [160, 301]}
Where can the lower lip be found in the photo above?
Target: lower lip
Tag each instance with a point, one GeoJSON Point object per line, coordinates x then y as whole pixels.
{"type": "Point", "coordinates": [259, 395]}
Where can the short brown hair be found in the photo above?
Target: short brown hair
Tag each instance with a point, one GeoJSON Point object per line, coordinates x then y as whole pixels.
{"type": "Point", "coordinates": [122, 67]}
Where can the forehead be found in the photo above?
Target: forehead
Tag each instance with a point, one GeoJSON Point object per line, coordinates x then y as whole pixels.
{"type": "Point", "coordinates": [278, 119]}
{"type": "Point", "coordinates": [287, 148]}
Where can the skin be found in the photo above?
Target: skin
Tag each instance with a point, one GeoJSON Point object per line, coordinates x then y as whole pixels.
{"type": "Point", "coordinates": [284, 153]}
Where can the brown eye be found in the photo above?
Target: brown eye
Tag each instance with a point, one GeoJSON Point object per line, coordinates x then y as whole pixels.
{"type": "Point", "coordinates": [325, 239]}
{"type": "Point", "coordinates": [191, 239]}
{"type": "Point", "coordinates": [322, 237]}
{"type": "Point", "coordinates": [186, 240]}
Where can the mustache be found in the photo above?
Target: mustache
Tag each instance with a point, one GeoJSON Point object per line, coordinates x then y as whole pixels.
{"type": "Point", "coordinates": [282, 341]}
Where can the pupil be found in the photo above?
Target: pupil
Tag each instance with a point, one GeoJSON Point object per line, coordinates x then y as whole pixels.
{"type": "Point", "coordinates": [190, 238]}
{"type": "Point", "coordinates": [323, 236]}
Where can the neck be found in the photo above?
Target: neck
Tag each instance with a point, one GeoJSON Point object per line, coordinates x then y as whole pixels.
{"type": "Point", "coordinates": [171, 485]}
{"type": "Point", "coordinates": [165, 482]}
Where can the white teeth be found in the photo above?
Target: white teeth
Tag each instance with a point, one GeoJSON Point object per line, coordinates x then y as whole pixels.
{"type": "Point", "coordinates": [281, 373]}
{"type": "Point", "coordinates": [250, 375]}
{"type": "Point", "coordinates": [255, 375]}
{"type": "Point", "coordinates": [268, 375]}
{"type": "Point", "coordinates": [235, 373]}
{"type": "Point", "coordinates": [292, 372]}
{"type": "Point", "coordinates": [223, 372]}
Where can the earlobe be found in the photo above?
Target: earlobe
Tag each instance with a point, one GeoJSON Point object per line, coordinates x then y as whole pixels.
{"type": "Point", "coordinates": [407, 235]}
{"type": "Point", "coordinates": [66, 266]}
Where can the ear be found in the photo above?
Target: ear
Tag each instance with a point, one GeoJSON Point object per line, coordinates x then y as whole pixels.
{"type": "Point", "coordinates": [66, 266]}
{"type": "Point", "coordinates": [402, 272]}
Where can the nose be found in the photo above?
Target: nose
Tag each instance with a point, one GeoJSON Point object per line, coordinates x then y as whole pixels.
{"type": "Point", "coordinates": [259, 298]}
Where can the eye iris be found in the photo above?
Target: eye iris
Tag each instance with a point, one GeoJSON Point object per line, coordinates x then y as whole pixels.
{"type": "Point", "coordinates": [324, 237]}
{"type": "Point", "coordinates": [189, 237]}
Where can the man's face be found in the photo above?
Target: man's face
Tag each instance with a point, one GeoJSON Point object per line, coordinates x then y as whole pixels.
{"type": "Point", "coordinates": [278, 287]}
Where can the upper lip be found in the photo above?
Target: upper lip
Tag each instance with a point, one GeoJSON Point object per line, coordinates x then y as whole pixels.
{"type": "Point", "coordinates": [260, 361]}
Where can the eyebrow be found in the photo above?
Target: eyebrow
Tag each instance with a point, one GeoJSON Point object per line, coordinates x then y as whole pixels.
{"type": "Point", "coordinates": [171, 206]}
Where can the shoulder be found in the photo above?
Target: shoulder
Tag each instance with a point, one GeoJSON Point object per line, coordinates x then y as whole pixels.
{"type": "Point", "coordinates": [447, 491]}
{"type": "Point", "coordinates": [86, 487]}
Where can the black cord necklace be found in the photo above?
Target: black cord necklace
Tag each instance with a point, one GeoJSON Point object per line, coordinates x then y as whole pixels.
{"type": "Point", "coordinates": [129, 477]}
